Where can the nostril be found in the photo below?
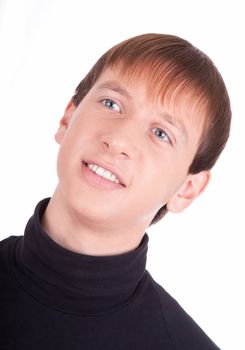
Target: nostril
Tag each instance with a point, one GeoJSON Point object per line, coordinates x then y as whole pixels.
{"type": "Point", "coordinates": [117, 144]}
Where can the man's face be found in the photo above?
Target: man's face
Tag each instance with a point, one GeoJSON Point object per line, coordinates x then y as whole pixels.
{"type": "Point", "coordinates": [145, 149]}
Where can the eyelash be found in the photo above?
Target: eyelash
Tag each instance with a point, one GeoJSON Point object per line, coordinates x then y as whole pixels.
{"type": "Point", "coordinates": [105, 100]}
{"type": "Point", "coordinates": [110, 101]}
{"type": "Point", "coordinates": [162, 132]}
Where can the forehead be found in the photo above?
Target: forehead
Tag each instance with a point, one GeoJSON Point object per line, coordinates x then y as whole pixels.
{"type": "Point", "coordinates": [165, 88]}
{"type": "Point", "coordinates": [176, 102]}
{"type": "Point", "coordinates": [175, 112]}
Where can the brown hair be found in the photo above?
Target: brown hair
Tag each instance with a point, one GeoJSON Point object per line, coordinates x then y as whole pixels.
{"type": "Point", "coordinates": [173, 68]}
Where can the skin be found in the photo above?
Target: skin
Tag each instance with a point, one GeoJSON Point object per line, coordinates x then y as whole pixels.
{"type": "Point", "coordinates": [147, 145]}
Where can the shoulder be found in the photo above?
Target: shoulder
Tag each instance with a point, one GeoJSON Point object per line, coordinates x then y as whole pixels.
{"type": "Point", "coordinates": [7, 246]}
{"type": "Point", "coordinates": [182, 329]}
{"type": "Point", "coordinates": [7, 243]}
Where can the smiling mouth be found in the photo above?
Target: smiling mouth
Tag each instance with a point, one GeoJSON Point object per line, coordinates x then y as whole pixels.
{"type": "Point", "coordinates": [102, 172]}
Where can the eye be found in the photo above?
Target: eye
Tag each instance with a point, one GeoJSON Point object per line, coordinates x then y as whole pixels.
{"type": "Point", "coordinates": [162, 135]}
{"type": "Point", "coordinates": [110, 104]}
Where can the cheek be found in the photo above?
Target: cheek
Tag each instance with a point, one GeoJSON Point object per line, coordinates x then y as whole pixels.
{"type": "Point", "coordinates": [68, 154]}
{"type": "Point", "coordinates": [164, 178]}
{"type": "Point", "coordinates": [63, 165]}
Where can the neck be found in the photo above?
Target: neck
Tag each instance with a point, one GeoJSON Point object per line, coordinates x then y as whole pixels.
{"type": "Point", "coordinates": [79, 234]}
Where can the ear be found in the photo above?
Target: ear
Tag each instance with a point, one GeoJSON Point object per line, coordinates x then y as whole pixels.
{"type": "Point", "coordinates": [194, 185]}
{"type": "Point", "coordinates": [65, 121]}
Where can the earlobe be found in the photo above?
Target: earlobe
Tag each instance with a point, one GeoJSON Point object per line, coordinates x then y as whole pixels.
{"type": "Point", "coordinates": [194, 185]}
{"type": "Point", "coordinates": [64, 122]}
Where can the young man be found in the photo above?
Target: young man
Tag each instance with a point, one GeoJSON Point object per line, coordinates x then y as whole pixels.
{"type": "Point", "coordinates": [137, 139]}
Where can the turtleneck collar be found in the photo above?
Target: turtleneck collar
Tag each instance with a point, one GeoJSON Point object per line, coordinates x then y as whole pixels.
{"type": "Point", "coordinates": [76, 283]}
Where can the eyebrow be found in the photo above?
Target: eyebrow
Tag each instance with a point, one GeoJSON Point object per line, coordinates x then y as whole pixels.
{"type": "Point", "coordinates": [176, 124]}
{"type": "Point", "coordinates": [114, 86]}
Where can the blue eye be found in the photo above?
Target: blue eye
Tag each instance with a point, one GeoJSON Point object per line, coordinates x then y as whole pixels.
{"type": "Point", "coordinates": [110, 104]}
{"type": "Point", "coordinates": [161, 134]}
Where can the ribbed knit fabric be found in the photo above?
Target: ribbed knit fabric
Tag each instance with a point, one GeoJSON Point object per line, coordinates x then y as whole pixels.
{"type": "Point", "coordinates": [52, 298]}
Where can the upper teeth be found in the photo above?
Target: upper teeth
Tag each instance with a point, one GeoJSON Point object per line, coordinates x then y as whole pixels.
{"type": "Point", "coordinates": [103, 173]}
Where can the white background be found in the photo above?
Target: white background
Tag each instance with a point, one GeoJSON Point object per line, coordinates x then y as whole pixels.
{"type": "Point", "coordinates": [46, 47]}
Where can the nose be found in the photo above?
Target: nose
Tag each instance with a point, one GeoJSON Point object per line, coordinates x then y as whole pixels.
{"type": "Point", "coordinates": [122, 141]}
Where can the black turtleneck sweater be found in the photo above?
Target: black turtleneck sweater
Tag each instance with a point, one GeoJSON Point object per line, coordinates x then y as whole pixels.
{"type": "Point", "coordinates": [52, 298]}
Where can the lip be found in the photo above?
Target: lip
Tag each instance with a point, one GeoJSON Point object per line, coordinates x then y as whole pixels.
{"type": "Point", "coordinates": [109, 167]}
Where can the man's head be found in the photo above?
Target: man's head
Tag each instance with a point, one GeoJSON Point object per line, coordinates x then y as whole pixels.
{"type": "Point", "coordinates": [176, 80]}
